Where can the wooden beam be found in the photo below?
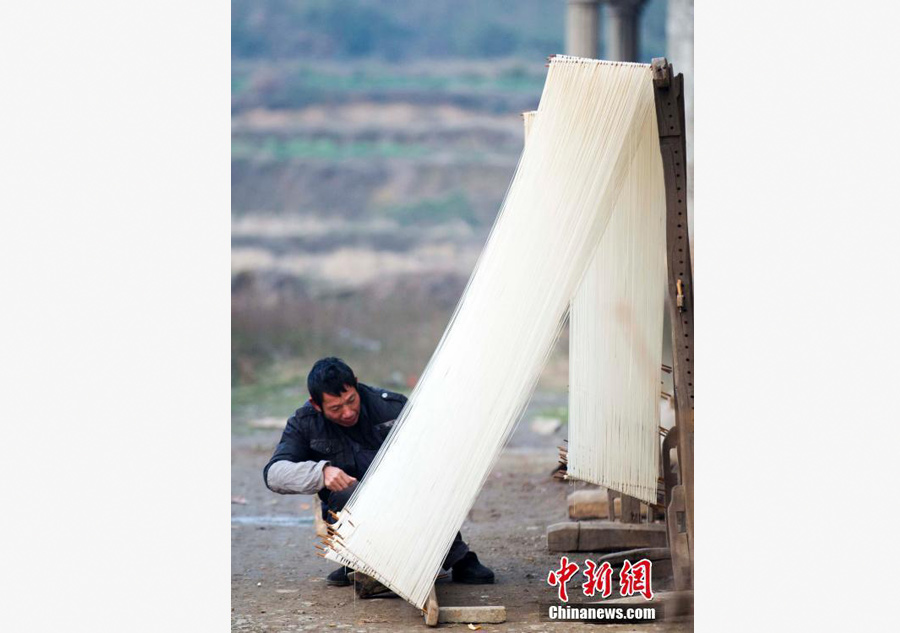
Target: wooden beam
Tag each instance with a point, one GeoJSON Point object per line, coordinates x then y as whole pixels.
{"type": "Point", "coordinates": [680, 299]}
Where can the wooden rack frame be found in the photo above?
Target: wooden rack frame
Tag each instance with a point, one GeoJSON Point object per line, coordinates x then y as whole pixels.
{"type": "Point", "coordinates": [668, 91]}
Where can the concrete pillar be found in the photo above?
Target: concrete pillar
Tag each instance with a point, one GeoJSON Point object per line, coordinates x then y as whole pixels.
{"type": "Point", "coordinates": [623, 18]}
{"type": "Point", "coordinates": [581, 28]}
{"type": "Point", "coordinates": [680, 52]}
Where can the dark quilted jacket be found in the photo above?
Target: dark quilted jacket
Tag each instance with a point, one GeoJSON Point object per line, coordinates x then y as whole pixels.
{"type": "Point", "coordinates": [308, 436]}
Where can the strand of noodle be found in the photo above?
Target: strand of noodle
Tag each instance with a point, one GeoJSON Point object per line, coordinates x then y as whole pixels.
{"type": "Point", "coordinates": [425, 479]}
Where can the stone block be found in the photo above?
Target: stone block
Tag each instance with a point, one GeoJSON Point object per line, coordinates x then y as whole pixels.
{"type": "Point", "coordinates": [474, 615]}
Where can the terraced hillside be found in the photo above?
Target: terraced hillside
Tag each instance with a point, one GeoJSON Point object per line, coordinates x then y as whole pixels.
{"type": "Point", "coordinates": [356, 223]}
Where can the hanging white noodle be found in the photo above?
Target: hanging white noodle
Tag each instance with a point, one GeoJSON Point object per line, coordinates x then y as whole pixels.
{"type": "Point", "coordinates": [615, 339]}
{"type": "Point", "coordinates": [398, 525]}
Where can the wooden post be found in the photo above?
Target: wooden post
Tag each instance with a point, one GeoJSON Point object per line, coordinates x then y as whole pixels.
{"type": "Point", "coordinates": [432, 609]}
{"type": "Point", "coordinates": [631, 509]}
{"type": "Point", "coordinates": [669, 97]}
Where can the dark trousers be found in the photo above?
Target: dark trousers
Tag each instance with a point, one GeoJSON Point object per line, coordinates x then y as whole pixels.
{"type": "Point", "coordinates": [337, 501]}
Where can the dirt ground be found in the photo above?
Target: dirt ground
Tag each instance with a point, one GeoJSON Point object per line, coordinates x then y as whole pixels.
{"type": "Point", "coordinates": [278, 583]}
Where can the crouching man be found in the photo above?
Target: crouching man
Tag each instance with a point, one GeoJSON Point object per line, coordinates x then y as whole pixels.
{"type": "Point", "coordinates": [329, 444]}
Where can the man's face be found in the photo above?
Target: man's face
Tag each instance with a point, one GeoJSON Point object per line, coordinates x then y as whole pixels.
{"type": "Point", "coordinates": [343, 410]}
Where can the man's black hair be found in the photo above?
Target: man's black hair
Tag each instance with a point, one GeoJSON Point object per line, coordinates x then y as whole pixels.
{"type": "Point", "coordinates": [329, 375]}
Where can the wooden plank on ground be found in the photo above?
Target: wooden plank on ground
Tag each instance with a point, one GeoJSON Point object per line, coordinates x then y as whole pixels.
{"type": "Point", "coordinates": [604, 536]}
{"type": "Point", "coordinates": [563, 537]}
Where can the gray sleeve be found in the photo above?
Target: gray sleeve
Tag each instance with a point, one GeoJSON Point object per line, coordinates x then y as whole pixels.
{"type": "Point", "coordinates": [290, 478]}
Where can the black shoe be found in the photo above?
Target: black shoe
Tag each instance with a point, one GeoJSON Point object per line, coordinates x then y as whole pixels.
{"type": "Point", "coordinates": [338, 578]}
{"type": "Point", "coordinates": [468, 570]}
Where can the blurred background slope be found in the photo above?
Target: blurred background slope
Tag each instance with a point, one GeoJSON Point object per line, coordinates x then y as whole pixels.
{"type": "Point", "coordinates": [372, 144]}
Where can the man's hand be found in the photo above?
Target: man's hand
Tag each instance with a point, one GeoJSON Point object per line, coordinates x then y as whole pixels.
{"type": "Point", "coordinates": [336, 479]}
